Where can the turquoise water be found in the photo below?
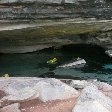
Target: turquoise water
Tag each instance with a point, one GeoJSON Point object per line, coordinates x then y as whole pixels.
{"type": "Point", "coordinates": [99, 65]}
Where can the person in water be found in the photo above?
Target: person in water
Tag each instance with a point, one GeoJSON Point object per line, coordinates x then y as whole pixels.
{"type": "Point", "coordinates": [52, 61]}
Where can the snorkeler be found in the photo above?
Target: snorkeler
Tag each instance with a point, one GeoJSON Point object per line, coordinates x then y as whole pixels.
{"type": "Point", "coordinates": [52, 61]}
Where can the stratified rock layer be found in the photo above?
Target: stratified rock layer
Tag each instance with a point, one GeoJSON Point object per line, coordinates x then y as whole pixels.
{"type": "Point", "coordinates": [31, 25]}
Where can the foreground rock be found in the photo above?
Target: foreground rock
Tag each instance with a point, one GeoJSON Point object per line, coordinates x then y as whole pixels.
{"type": "Point", "coordinates": [53, 95]}
{"type": "Point", "coordinates": [44, 89]}
{"type": "Point", "coordinates": [50, 106]}
{"type": "Point", "coordinates": [11, 108]}
{"type": "Point", "coordinates": [103, 87]}
{"type": "Point", "coordinates": [90, 95]}
{"type": "Point", "coordinates": [90, 106]}
{"type": "Point", "coordinates": [52, 89]}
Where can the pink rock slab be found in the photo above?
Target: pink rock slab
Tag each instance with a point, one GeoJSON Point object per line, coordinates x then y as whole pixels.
{"type": "Point", "coordinates": [50, 106]}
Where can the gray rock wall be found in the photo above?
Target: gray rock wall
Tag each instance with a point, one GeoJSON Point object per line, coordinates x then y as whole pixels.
{"type": "Point", "coordinates": [30, 25]}
{"type": "Point", "coordinates": [34, 9]}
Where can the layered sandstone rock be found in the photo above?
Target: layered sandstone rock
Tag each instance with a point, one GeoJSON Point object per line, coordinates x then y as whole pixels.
{"type": "Point", "coordinates": [31, 25]}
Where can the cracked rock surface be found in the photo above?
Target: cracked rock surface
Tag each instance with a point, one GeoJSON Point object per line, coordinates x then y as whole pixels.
{"type": "Point", "coordinates": [53, 95]}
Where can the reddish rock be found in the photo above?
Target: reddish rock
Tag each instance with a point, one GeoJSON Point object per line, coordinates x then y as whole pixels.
{"type": "Point", "coordinates": [103, 86]}
{"type": "Point", "coordinates": [7, 102]}
{"type": "Point", "coordinates": [109, 94]}
{"type": "Point", "coordinates": [2, 94]}
{"type": "Point", "coordinates": [50, 106]}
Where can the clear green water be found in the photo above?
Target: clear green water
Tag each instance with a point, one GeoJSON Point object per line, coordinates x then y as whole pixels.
{"type": "Point", "coordinates": [99, 65]}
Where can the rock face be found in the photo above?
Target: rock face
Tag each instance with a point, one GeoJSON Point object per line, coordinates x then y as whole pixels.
{"type": "Point", "coordinates": [34, 9]}
{"type": "Point", "coordinates": [31, 25]}
{"type": "Point", "coordinates": [50, 1]}
{"type": "Point", "coordinates": [41, 34]}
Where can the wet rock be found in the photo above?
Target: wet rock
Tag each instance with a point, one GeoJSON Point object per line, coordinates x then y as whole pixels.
{"type": "Point", "coordinates": [90, 94]}
{"type": "Point", "coordinates": [52, 89]}
{"type": "Point", "coordinates": [11, 108]}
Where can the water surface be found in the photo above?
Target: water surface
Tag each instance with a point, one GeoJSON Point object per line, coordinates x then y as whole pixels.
{"type": "Point", "coordinates": [99, 65]}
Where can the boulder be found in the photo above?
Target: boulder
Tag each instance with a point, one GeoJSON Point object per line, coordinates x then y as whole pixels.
{"type": "Point", "coordinates": [21, 95]}
{"type": "Point", "coordinates": [103, 86]}
{"type": "Point", "coordinates": [45, 89]}
{"type": "Point", "coordinates": [90, 106]}
{"type": "Point", "coordinates": [78, 84]}
{"type": "Point", "coordinates": [52, 89]}
{"type": "Point", "coordinates": [18, 89]}
{"type": "Point", "coordinates": [11, 108]}
{"type": "Point", "coordinates": [91, 93]}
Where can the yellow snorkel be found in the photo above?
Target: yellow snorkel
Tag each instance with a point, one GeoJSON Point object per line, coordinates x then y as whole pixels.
{"type": "Point", "coordinates": [52, 61]}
